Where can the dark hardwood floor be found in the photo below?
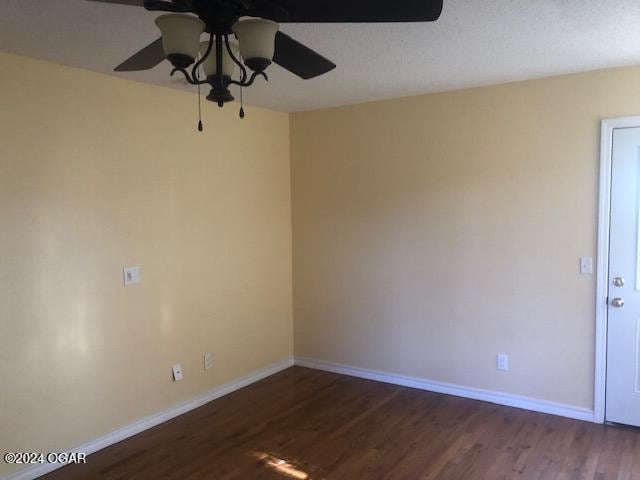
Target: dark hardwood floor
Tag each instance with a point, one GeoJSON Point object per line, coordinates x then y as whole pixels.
{"type": "Point", "coordinates": [304, 423]}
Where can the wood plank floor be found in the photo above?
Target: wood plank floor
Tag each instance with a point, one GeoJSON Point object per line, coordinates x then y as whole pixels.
{"type": "Point", "coordinates": [304, 423]}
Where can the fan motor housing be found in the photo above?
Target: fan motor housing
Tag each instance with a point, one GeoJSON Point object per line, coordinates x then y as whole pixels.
{"type": "Point", "coordinates": [218, 15]}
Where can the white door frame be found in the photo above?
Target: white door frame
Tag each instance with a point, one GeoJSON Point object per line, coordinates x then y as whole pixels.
{"type": "Point", "coordinates": [602, 276]}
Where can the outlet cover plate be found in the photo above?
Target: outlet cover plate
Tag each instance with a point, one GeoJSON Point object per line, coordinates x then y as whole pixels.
{"type": "Point", "coordinates": [502, 362]}
{"type": "Point", "coordinates": [208, 360]}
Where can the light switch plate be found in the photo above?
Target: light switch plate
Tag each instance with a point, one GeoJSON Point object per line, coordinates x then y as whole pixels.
{"type": "Point", "coordinates": [502, 362]}
{"type": "Point", "coordinates": [177, 372]}
{"type": "Point", "coordinates": [208, 360]}
{"type": "Point", "coordinates": [132, 275]}
{"type": "Point", "coordinates": [586, 265]}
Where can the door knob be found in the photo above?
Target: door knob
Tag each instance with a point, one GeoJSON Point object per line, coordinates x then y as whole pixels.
{"type": "Point", "coordinates": [617, 302]}
{"type": "Point", "coordinates": [618, 281]}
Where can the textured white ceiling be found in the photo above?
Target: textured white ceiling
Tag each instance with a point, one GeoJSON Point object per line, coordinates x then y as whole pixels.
{"type": "Point", "coordinates": [475, 42]}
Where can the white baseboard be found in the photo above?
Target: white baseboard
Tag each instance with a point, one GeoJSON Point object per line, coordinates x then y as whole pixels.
{"type": "Point", "coordinates": [142, 424]}
{"type": "Point", "coordinates": [500, 398]}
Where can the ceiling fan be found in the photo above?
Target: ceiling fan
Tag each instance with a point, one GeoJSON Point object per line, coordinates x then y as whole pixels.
{"type": "Point", "coordinates": [254, 23]}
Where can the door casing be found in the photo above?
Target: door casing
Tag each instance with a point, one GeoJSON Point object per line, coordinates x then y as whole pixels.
{"type": "Point", "coordinates": [602, 263]}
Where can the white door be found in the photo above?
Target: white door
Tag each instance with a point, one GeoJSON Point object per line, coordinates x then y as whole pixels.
{"type": "Point", "coordinates": [623, 331]}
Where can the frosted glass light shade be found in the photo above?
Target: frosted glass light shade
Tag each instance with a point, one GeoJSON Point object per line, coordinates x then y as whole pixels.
{"type": "Point", "coordinates": [228, 65]}
{"type": "Point", "coordinates": [180, 37]}
{"type": "Point", "coordinates": [257, 41]}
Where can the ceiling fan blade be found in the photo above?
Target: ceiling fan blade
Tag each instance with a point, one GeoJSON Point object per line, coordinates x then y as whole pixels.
{"type": "Point", "coordinates": [145, 59]}
{"type": "Point", "coordinates": [354, 11]}
{"type": "Point", "coordinates": [155, 5]}
{"type": "Point", "coordinates": [133, 3]}
{"type": "Point", "coordinates": [180, 6]}
{"type": "Point", "coordinates": [299, 59]}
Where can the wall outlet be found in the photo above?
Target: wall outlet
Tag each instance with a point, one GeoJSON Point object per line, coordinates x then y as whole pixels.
{"type": "Point", "coordinates": [132, 275]}
{"type": "Point", "coordinates": [502, 362]}
{"type": "Point", "coordinates": [177, 372]}
{"type": "Point", "coordinates": [208, 360]}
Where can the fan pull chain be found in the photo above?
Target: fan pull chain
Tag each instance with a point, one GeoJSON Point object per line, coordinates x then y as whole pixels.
{"type": "Point", "coordinates": [241, 104]}
{"type": "Point", "coordinates": [200, 127]}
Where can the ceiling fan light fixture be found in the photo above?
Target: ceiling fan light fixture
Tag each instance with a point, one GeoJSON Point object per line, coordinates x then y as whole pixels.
{"type": "Point", "coordinates": [257, 42]}
{"type": "Point", "coordinates": [210, 65]}
{"type": "Point", "coordinates": [180, 37]}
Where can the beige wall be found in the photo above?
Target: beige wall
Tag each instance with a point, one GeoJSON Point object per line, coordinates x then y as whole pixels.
{"type": "Point", "coordinates": [431, 233]}
{"type": "Point", "coordinates": [97, 173]}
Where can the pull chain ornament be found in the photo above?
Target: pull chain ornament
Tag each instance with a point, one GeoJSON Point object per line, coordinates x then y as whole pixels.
{"type": "Point", "coordinates": [241, 104]}
{"type": "Point", "coordinates": [200, 127]}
